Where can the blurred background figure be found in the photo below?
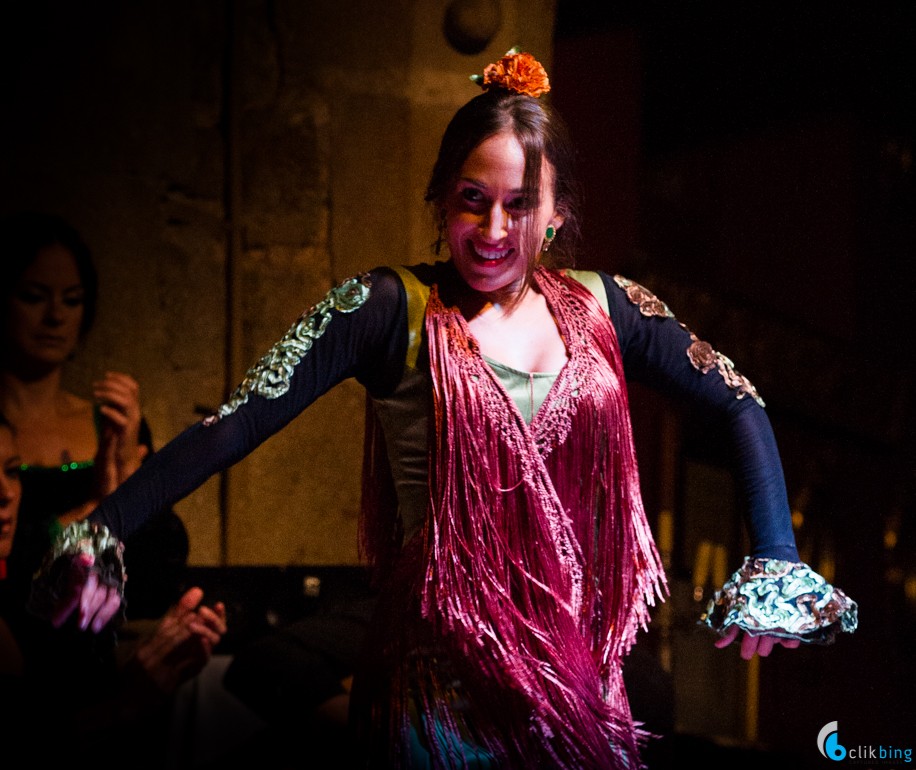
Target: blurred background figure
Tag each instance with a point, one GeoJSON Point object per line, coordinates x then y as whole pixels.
{"type": "Point", "coordinates": [10, 493]}
{"type": "Point", "coordinates": [74, 449]}
{"type": "Point", "coordinates": [62, 452]}
{"type": "Point", "coordinates": [126, 703]}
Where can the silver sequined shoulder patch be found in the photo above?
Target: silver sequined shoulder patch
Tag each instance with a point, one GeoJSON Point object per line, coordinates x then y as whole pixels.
{"type": "Point", "coordinates": [271, 375]}
{"type": "Point", "coordinates": [701, 354]}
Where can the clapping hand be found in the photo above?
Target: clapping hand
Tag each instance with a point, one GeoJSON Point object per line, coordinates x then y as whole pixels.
{"type": "Point", "coordinates": [120, 452]}
{"type": "Point", "coordinates": [183, 641]}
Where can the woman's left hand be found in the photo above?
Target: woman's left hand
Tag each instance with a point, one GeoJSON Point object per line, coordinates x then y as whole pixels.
{"type": "Point", "coordinates": [120, 451]}
{"type": "Point", "coordinates": [751, 645]}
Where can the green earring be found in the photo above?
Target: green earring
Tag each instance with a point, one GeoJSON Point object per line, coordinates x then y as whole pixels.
{"type": "Point", "coordinates": [548, 237]}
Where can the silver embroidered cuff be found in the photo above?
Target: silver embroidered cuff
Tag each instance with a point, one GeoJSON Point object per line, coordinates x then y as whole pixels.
{"type": "Point", "coordinates": [781, 598]}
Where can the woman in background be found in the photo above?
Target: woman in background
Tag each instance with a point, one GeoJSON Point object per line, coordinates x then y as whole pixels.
{"type": "Point", "coordinates": [75, 450]}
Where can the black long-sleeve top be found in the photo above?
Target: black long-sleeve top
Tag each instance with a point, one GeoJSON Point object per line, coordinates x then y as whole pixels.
{"type": "Point", "coordinates": [369, 343]}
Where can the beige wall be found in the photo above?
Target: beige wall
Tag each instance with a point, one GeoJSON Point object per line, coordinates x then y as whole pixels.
{"type": "Point", "coordinates": [335, 112]}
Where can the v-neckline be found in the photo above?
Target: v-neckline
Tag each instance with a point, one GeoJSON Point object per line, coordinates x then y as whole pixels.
{"type": "Point", "coordinates": [560, 320]}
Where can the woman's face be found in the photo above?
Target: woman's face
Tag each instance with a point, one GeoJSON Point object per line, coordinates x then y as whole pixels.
{"type": "Point", "coordinates": [487, 216]}
{"type": "Point", "coordinates": [10, 489]}
{"type": "Point", "coordinates": [45, 310]}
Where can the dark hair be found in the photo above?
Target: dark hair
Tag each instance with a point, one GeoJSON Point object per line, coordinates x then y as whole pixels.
{"type": "Point", "coordinates": [26, 233]}
{"type": "Point", "coordinates": [541, 133]}
{"type": "Point", "coordinates": [4, 423]}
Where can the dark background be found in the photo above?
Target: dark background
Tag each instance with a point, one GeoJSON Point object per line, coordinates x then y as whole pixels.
{"type": "Point", "coordinates": [753, 165]}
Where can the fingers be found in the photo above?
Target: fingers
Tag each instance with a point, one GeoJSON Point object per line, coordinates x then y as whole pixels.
{"type": "Point", "coordinates": [210, 624]}
{"type": "Point", "coordinates": [91, 600]}
{"type": "Point", "coordinates": [765, 645]}
{"type": "Point", "coordinates": [183, 642]}
{"type": "Point", "coordinates": [107, 611]}
{"type": "Point", "coordinates": [751, 645]}
{"type": "Point", "coordinates": [98, 603]}
{"type": "Point", "coordinates": [80, 590]}
{"type": "Point", "coordinates": [77, 577]}
{"type": "Point", "coordinates": [730, 635]}
{"type": "Point", "coordinates": [190, 600]}
{"type": "Point", "coordinates": [188, 616]}
{"type": "Point", "coordinates": [748, 646]}
{"type": "Point", "coordinates": [119, 397]}
{"type": "Point", "coordinates": [60, 615]}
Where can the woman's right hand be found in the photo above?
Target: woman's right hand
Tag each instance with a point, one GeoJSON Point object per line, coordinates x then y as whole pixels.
{"type": "Point", "coordinates": [95, 601]}
{"type": "Point", "coordinates": [759, 644]}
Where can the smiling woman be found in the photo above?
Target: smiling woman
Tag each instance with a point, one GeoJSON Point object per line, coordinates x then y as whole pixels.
{"type": "Point", "coordinates": [502, 511]}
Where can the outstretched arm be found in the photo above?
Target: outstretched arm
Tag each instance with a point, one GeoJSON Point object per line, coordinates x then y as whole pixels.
{"type": "Point", "coordinates": [358, 330]}
{"type": "Point", "coordinates": [763, 603]}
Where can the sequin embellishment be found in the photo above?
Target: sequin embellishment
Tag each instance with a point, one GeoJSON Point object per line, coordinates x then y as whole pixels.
{"type": "Point", "coordinates": [649, 304]}
{"type": "Point", "coordinates": [701, 354]}
{"type": "Point", "coordinates": [704, 359]}
{"type": "Point", "coordinates": [270, 377]}
{"type": "Point", "coordinates": [782, 598]}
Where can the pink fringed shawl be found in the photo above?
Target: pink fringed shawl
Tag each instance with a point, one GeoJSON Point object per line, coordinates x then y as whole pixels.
{"type": "Point", "coordinates": [538, 565]}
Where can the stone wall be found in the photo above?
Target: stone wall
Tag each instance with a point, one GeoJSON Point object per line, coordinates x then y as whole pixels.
{"type": "Point", "coordinates": [228, 162]}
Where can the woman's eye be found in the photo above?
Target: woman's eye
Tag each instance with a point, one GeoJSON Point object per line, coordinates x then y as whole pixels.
{"type": "Point", "coordinates": [518, 204]}
{"type": "Point", "coordinates": [12, 473]}
{"type": "Point", "coordinates": [29, 296]}
{"type": "Point", "coordinates": [471, 195]}
{"type": "Point", "coordinates": [74, 301]}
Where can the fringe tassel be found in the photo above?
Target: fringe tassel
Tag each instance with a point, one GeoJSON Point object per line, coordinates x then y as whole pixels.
{"type": "Point", "coordinates": [536, 591]}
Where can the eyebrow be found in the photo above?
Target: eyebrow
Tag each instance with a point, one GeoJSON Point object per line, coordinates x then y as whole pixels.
{"type": "Point", "coordinates": [39, 285]}
{"type": "Point", "coordinates": [476, 183]}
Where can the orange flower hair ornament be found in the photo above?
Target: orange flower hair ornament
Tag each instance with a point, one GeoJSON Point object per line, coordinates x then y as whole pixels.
{"type": "Point", "coordinates": [516, 71]}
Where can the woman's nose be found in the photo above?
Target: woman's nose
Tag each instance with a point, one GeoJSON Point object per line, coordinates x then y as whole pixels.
{"type": "Point", "coordinates": [495, 224]}
{"type": "Point", "coordinates": [54, 311]}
